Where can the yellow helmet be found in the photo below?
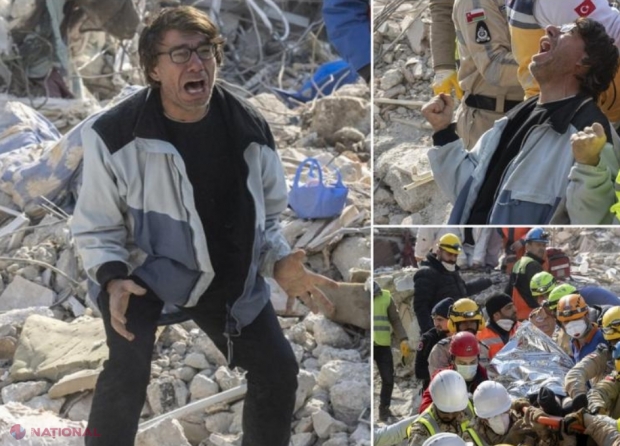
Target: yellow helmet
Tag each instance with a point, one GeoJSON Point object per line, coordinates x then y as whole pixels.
{"type": "Point", "coordinates": [571, 308]}
{"type": "Point", "coordinates": [464, 310]}
{"type": "Point", "coordinates": [450, 243]}
{"type": "Point", "coordinates": [611, 324]}
{"type": "Point", "coordinates": [542, 283]}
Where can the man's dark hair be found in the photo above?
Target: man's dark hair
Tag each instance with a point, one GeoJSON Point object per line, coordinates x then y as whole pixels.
{"type": "Point", "coordinates": [602, 57]}
{"type": "Point", "coordinates": [181, 18]}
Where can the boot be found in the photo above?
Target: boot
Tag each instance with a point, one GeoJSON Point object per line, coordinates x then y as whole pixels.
{"type": "Point", "coordinates": [385, 413]}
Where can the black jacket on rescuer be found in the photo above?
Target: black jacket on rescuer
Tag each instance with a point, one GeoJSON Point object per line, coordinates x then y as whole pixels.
{"type": "Point", "coordinates": [433, 282]}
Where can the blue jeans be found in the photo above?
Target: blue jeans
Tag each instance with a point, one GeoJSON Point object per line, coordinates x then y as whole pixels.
{"type": "Point", "coordinates": [261, 350]}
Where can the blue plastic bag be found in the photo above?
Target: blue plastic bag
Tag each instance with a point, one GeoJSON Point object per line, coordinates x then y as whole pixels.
{"type": "Point", "coordinates": [314, 199]}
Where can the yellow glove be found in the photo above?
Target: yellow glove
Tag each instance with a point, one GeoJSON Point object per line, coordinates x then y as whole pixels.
{"type": "Point", "coordinates": [588, 144]}
{"type": "Point", "coordinates": [404, 348]}
{"type": "Point", "coordinates": [445, 81]}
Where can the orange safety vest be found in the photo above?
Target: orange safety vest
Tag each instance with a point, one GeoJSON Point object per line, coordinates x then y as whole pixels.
{"type": "Point", "coordinates": [492, 340]}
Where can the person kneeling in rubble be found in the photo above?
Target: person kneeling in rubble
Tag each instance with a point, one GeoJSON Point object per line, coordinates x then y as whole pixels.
{"type": "Point", "coordinates": [448, 412]}
{"type": "Point", "coordinates": [464, 358]}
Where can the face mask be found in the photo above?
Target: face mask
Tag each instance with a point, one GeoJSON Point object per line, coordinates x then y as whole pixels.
{"type": "Point", "coordinates": [505, 324]}
{"type": "Point", "coordinates": [500, 423]}
{"type": "Point", "coordinates": [449, 266]}
{"type": "Point", "coordinates": [576, 329]}
{"type": "Point", "coordinates": [467, 371]}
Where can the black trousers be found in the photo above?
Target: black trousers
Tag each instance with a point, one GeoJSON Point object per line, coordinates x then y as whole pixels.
{"type": "Point", "coordinates": [261, 349]}
{"type": "Point", "coordinates": [385, 364]}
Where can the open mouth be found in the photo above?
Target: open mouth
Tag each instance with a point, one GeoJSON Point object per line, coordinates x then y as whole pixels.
{"type": "Point", "coordinates": [195, 87]}
{"type": "Point", "coordinates": [545, 46]}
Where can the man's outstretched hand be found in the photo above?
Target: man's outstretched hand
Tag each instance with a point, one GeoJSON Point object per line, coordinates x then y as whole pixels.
{"type": "Point", "coordinates": [120, 291]}
{"type": "Point", "coordinates": [298, 281]}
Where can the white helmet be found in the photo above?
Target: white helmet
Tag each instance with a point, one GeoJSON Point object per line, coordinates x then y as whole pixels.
{"type": "Point", "coordinates": [449, 391]}
{"type": "Point", "coordinates": [491, 399]}
{"type": "Point", "coordinates": [444, 439]}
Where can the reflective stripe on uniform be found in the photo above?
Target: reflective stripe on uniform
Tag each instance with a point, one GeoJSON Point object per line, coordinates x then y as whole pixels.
{"type": "Point", "coordinates": [473, 434]}
{"type": "Point", "coordinates": [428, 421]}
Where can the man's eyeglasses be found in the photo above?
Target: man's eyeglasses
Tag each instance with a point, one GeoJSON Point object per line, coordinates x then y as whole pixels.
{"type": "Point", "coordinates": [614, 327]}
{"type": "Point", "coordinates": [183, 54]}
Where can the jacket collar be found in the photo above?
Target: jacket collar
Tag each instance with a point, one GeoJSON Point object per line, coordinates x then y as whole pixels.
{"type": "Point", "coordinates": [433, 262]}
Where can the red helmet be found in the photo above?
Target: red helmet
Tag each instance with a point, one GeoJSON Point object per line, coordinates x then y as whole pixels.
{"type": "Point", "coordinates": [464, 343]}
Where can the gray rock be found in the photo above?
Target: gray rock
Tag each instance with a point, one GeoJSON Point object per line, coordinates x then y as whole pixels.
{"type": "Point", "coordinates": [22, 293]}
{"type": "Point", "coordinates": [349, 399]}
{"type": "Point", "coordinates": [348, 253]}
{"type": "Point", "coordinates": [76, 382]}
{"type": "Point", "coordinates": [24, 391]}
{"type": "Point", "coordinates": [331, 333]}
{"type": "Point", "coordinates": [325, 425]}
{"type": "Point", "coordinates": [336, 371]}
{"type": "Point", "coordinates": [81, 409]}
{"type": "Point", "coordinates": [227, 379]}
{"type": "Point", "coordinates": [224, 440]}
{"type": "Point", "coordinates": [197, 361]}
{"type": "Point", "coordinates": [326, 354]}
{"type": "Point", "coordinates": [236, 427]}
{"type": "Point", "coordinates": [391, 78]}
{"type": "Point", "coordinates": [185, 373]}
{"type": "Point", "coordinates": [44, 402]}
{"type": "Point", "coordinates": [330, 114]}
{"type": "Point", "coordinates": [173, 333]}
{"type": "Point", "coordinates": [304, 425]}
{"type": "Point", "coordinates": [167, 432]}
{"type": "Point", "coordinates": [202, 387]}
{"type": "Point", "coordinates": [203, 344]}
{"type": "Point", "coordinates": [166, 394]}
{"type": "Point", "coordinates": [219, 422]}
{"type": "Point", "coordinates": [306, 382]}
{"type": "Point", "coordinates": [298, 351]}
{"type": "Point", "coordinates": [179, 347]}
{"type": "Point", "coordinates": [67, 263]}
{"type": "Point", "coordinates": [304, 439]}
{"type": "Point", "coordinates": [298, 334]}
{"type": "Point", "coordinates": [361, 436]}
{"type": "Point", "coordinates": [340, 439]}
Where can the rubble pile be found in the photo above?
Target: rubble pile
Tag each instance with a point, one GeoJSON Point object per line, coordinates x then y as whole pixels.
{"type": "Point", "coordinates": [594, 255]}
{"type": "Point", "coordinates": [405, 193]}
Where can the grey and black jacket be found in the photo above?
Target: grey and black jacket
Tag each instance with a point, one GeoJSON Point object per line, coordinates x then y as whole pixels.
{"type": "Point", "coordinates": [136, 214]}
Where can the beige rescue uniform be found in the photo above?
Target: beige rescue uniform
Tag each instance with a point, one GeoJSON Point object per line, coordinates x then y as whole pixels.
{"type": "Point", "coordinates": [602, 433]}
{"type": "Point", "coordinates": [443, 36]}
{"type": "Point", "coordinates": [440, 356]}
{"type": "Point", "coordinates": [487, 68]}
{"type": "Point", "coordinates": [419, 433]}
{"type": "Point", "coordinates": [593, 368]}
{"type": "Point", "coordinates": [605, 395]}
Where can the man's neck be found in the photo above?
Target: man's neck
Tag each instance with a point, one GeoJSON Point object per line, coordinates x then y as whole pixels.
{"type": "Point", "coordinates": [556, 92]}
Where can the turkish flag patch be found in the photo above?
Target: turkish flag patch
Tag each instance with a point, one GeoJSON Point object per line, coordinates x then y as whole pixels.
{"type": "Point", "coordinates": [585, 8]}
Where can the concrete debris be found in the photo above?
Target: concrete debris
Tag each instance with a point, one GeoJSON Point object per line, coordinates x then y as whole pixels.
{"type": "Point", "coordinates": [51, 329]}
{"type": "Point", "coordinates": [22, 293]}
{"type": "Point", "coordinates": [325, 425]}
{"type": "Point", "coordinates": [74, 383]}
{"type": "Point", "coordinates": [402, 136]}
{"type": "Point", "coordinates": [165, 433]}
{"type": "Point", "coordinates": [50, 349]}
{"type": "Point", "coordinates": [25, 391]}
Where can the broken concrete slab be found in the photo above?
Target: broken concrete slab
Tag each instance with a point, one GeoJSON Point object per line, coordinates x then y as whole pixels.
{"type": "Point", "coordinates": [325, 425]}
{"type": "Point", "coordinates": [352, 304]}
{"type": "Point", "coordinates": [330, 114]}
{"type": "Point", "coordinates": [348, 253]}
{"type": "Point", "coordinates": [305, 383]}
{"type": "Point", "coordinates": [74, 383]}
{"type": "Point", "coordinates": [350, 398]}
{"type": "Point", "coordinates": [330, 333]}
{"type": "Point", "coordinates": [165, 394]}
{"type": "Point", "coordinates": [20, 392]}
{"type": "Point", "coordinates": [165, 433]}
{"type": "Point", "coordinates": [303, 439]}
{"type": "Point", "coordinates": [202, 387]}
{"type": "Point", "coordinates": [22, 293]}
{"type": "Point", "coordinates": [80, 410]}
{"type": "Point", "coordinates": [50, 349]}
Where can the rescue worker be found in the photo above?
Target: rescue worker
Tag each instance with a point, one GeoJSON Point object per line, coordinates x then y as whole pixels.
{"type": "Point", "coordinates": [445, 439]}
{"type": "Point", "coordinates": [573, 314]}
{"type": "Point", "coordinates": [464, 315]}
{"type": "Point", "coordinates": [443, 48]}
{"type": "Point", "coordinates": [603, 430]}
{"type": "Point", "coordinates": [488, 71]}
{"type": "Point", "coordinates": [447, 413]}
{"type": "Point", "coordinates": [439, 278]}
{"type": "Point", "coordinates": [498, 419]}
{"type": "Point", "coordinates": [385, 319]}
{"type": "Point", "coordinates": [603, 398]}
{"type": "Point", "coordinates": [541, 285]}
{"type": "Point", "coordinates": [560, 336]}
{"type": "Point", "coordinates": [528, 266]}
{"type": "Point", "coordinates": [464, 358]}
{"type": "Point", "coordinates": [501, 325]}
{"type": "Point", "coordinates": [514, 246]}
{"type": "Point", "coordinates": [431, 338]}
{"type": "Point", "coordinates": [597, 365]}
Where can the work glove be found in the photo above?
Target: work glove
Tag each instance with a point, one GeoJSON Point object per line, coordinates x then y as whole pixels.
{"type": "Point", "coordinates": [588, 144]}
{"type": "Point", "coordinates": [404, 348]}
{"type": "Point", "coordinates": [445, 81]}
{"type": "Point", "coordinates": [571, 420]}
